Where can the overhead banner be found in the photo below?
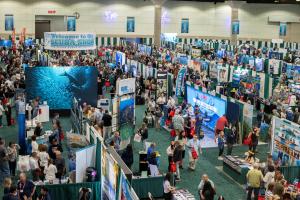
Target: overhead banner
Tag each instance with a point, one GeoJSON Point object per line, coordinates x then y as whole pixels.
{"type": "Point", "coordinates": [9, 22]}
{"type": "Point", "coordinates": [282, 29]}
{"type": "Point", "coordinates": [71, 23]}
{"type": "Point", "coordinates": [184, 25]}
{"type": "Point", "coordinates": [235, 27]}
{"type": "Point", "coordinates": [69, 41]}
{"type": "Point", "coordinates": [162, 85]}
{"type": "Point", "coordinates": [286, 142]}
{"type": "Point", "coordinates": [180, 81]}
{"type": "Point", "coordinates": [130, 24]}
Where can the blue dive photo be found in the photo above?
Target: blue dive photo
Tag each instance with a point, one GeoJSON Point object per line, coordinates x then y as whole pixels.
{"type": "Point", "coordinates": [58, 85]}
{"type": "Point", "coordinates": [126, 110]}
{"type": "Point", "coordinates": [211, 108]}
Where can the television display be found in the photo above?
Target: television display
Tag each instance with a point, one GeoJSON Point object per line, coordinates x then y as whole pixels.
{"type": "Point", "coordinates": [211, 107]}
{"type": "Point", "coordinates": [59, 85]}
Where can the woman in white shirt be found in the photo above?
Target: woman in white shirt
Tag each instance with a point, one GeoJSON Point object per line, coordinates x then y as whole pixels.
{"type": "Point", "coordinates": [34, 144]}
{"type": "Point", "coordinates": [50, 171]}
{"type": "Point", "coordinates": [168, 189]}
{"type": "Point", "coordinates": [43, 156]}
{"type": "Point", "coordinates": [269, 177]}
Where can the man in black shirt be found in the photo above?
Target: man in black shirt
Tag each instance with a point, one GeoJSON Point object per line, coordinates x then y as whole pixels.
{"type": "Point", "coordinates": [12, 195]}
{"type": "Point", "coordinates": [106, 125]}
{"type": "Point", "coordinates": [25, 188]}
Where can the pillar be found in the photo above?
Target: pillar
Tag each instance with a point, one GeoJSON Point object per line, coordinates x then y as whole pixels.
{"type": "Point", "coordinates": [234, 5]}
{"type": "Point", "coordinates": [157, 20]}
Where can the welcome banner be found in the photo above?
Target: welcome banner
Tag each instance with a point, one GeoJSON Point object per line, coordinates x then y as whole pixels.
{"type": "Point", "coordinates": [70, 41]}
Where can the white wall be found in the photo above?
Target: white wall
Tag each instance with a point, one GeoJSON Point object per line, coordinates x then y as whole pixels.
{"type": "Point", "coordinates": [206, 19]}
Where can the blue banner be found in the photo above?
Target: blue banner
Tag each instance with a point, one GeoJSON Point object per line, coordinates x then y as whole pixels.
{"type": "Point", "coordinates": [235, 27]}
{"type": "Point", "coordinates": [5, 43]}
{"type": "Point", "coordinates": [71, 23]}
{"type": "Point", "coordinates": [9, 22]}
{"type": "Point", "coordinates": [69, 41]}
{"type": "Point", "coordinates": [282, 29]}
{"type": "Point", "coordinates": [180, 81]}
{"type": "Point", "coordinates": [130, 24]}
{"type": "Point", "coordinates": [184, 25]}
{"type": "Point", "coordinates": [21, 135]}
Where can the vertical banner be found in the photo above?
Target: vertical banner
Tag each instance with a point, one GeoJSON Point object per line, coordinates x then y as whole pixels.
{"type": "Point", "coordinates": [9, 22]}
{"type": "Point", "coordinates": [22, 135]}
{"type": "Point", "coordinates": [185, 25]}
{"type": "Point", "coordinates": [180, 81]}
{"type": "Point", "coordinates": [235, 27]}
{"type": "Point", "coordinates": [71, 23]}
{"type": "Point", "coordinates": [282, 29]}
{"type": "Point", "coordinates": [130, 24]}
{"type": "Point", "coordinates": [162, 85]}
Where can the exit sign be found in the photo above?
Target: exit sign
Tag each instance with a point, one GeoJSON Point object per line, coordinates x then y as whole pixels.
{"type": "Point", "coordinates": [51, 11]}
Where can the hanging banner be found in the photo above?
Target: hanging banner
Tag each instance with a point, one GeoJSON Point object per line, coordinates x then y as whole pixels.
{"type": "Point", "coordinates": [69, 41]}
{"type": "Point", "coordinates": [184, 25]}
{"type": "Point", "coordinates": [282, 29]}
{"type": "Point", "coordinates": [71, 23]}
{"type": "Point", "coordinates": [235, 27]}
{"type": "Point", "coordinates": [162, 85]}
{"type": "Point", "coordinates": [180, 81]}
{"type": "Point", "coordinates": [274, 66]}
{"type": "Point", "coordinates": [286, 142]}
{"type": "Point", "coordinates": [223, 74]}
{"type": "Point", "coordinates": [130, 24]}
{"type": "Point", "coordinates": [9, 22]}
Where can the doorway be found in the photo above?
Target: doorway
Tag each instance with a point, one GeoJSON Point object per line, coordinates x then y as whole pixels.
{"type": "Point", "coordinates": [41, 26]}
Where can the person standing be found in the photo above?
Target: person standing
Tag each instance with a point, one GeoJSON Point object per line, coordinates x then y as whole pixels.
{"type": "Point", "coordinates": [1, 113]}
{"type": "Point", "coordinates": [230, 139]}
{"type": "Point", "coordinates": [158, 115]}
{"type": "Point", "coordinates": [221, 144]}
{"type": "Point", "coordinates": [198, 123]}
{"type": "Point", "coordinates": [195, 150]}
{"type": "Point", "coordinates": [254, 178]}
{"type": "Point", "coordinates": [168, 189]}
{"type": "Point", "coordinates": [4, 165]}
{"type": "Point", "coordinates": [12, 151]}
{"type": "Point", "coordinates": [254, 139]}
{"type": "Point", "coordinates": [204, 179]}
{"type": "Point", "coordinates": [107, 119]}
{"type": "Point", "coordinates": [44, 195]}
{"type": "Point", "coordinates": [127, 156]}
{"type": "Point", "coordinates": [220, 125]}
{"type": "Point", "coordinates": [170, 153]}
{"type": "Point", "coordinates": [12, 195]}
{"type": "Point", "coordinates": [26, 188]}
{"type": "Point", "coordinates": [50, 171]}
{"type": "Point", "coordinates": [8, 114]}
{"type": "Point", "coordinates": [178, 122]}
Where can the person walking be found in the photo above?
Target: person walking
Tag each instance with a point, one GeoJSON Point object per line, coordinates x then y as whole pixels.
{"type": "Point", "coordinates": [230, 139]}
{"type": "Point", "coordinates": [254, 178]}
{"type": "Point", "coordinates": [221, 143]}
{"type": "Point", "coordinates": [12, 151]}
{"type": "Point", "coordinates": [1, 113]}
{"type": "Point", "coordinates": [170, 153]}
{"type": "Point", "coordinates": [195, 149]}
{"type": "Point", "coordinates": [4, 164]}
{"type": "Point", "coordinates": [177, 158]}
{"type": "Point", "coordinates": [178, 122]}
{"type": "Point", "coordinates": [107, 121]}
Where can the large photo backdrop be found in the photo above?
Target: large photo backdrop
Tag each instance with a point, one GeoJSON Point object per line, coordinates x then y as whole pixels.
{"type": "Point", "coordinates": [59, 85]}
{"type": "Point", "coordinates": [211, 107]}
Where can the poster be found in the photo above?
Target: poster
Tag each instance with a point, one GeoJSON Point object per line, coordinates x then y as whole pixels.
{"type": "Point", "coordinates": [109, 173]}
{"type": "Point", "coordinates": [274, 66]}
{"type": "Point", "coordinates": [5, 43]}
{"type": "Point", "coordinates": [223, 74]}
{"type": "Point", "coordinates": [59, 85]}
{"type": "Point", "coordinates": [130, 24]}
{"type": "Point", "coordinates": [184, 25]}
{"type": "Point", "coordinates": [9, 22]}
{"type": "Point", "coordinates": [213, 70]}
{"type": "Point", "coordinates": [259, 66]}
{"type": "Point", "coordinates": [162, 85]}
{"type": "Point", "coordinates": [235, 27]}
{"type": "Point", "coordinates": [239, 74]}
{"type": "Point", "coordinates": [133, 68]}
{"type": "Point", "coordinates": [125, 188]}
{"type": "Point", "coordinates": [282, 29]}
{"type": "Point", "coordinates": [69, 41]}
{"type": "Point", "coordinates": [71, 23]}
{"type": "Point", "coordinates": [286, 143]}
{"type": "Point", "coordinates": [180, 81]}
{"type": "Point", "coordinates": [126, 109]}
{"type": "Point", "coordinates": [120, 58]}
{"type": "Point", "coordinates": [211, 107]}
{"type": "Point", "coordinates": [125, 86]}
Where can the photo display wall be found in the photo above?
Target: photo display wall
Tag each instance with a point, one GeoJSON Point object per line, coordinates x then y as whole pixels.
{"type": "Point", "coordinates": [59, 85]}
{"type": "Point", "coordinates": [211, 107]}
{"type": "Point", "coordinates": [286, 142]}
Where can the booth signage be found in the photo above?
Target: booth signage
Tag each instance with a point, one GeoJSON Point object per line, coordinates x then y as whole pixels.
{"type": "Point", "coordinates": [69, 41]}
{"type": "Point", "coordinates": [126, 86]}
{"type": "Point", "coordinates": [180, 81]}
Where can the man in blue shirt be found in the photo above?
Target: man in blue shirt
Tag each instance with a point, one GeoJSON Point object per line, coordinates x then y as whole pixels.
{"type": "Point", "coordinates": [150, 150]}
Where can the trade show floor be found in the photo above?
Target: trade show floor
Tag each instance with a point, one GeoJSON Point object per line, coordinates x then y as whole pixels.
{"type": "Point", "coordinates": [207, 164]}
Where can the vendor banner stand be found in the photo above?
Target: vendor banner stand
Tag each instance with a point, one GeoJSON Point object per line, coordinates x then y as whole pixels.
{"type": "Point", "coordinates": [22, 134]}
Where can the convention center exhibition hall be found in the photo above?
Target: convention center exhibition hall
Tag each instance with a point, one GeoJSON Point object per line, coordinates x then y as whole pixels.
{"type": "Point", "coordinates": [149, 99]}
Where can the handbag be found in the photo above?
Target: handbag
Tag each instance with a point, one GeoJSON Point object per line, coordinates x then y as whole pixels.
{"type": "Point", "coordinates": [194, 153]}
{"type": "Point", "coordinates": [248, 140]}
{"type": "Point", "coordinates": [173, 167]}
{"type": "Point", "coordinates": [173, 133]}
{"type": "Point", "coordinates": [137, 137]}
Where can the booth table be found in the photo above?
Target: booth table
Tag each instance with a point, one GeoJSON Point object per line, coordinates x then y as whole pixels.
{"type": "Point", "coordinates": [236, 168]}
{"type": "Point", "coordinates": [183, 194]}
{"type": "Point", "coordinates": [154, 185]}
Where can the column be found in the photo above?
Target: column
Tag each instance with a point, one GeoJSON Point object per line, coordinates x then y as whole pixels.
{"type": "Point", "coordinates": [157, 20]}
{"type": "Point", "coordinates": [235, 5]}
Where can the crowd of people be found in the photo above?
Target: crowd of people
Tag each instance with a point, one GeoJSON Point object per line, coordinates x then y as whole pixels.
{"type": "Point", "coordinates": [47, 162]}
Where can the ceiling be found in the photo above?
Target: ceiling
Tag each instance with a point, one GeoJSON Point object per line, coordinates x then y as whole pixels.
{"type": "Point", "coordinates": [252, 1]}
